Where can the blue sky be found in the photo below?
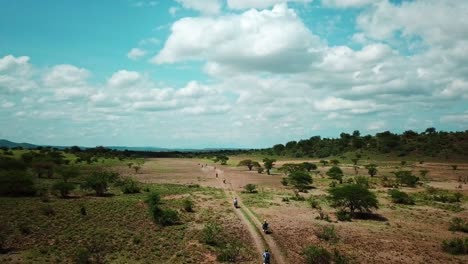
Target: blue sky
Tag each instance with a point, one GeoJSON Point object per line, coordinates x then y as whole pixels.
{"type": "Point", "coordinates": [229, 73]}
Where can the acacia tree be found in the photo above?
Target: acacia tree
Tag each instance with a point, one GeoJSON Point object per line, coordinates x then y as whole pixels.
{"type": "Point", "coordinates": [335, 173]}
{"type": "Point", "coordinates": [249, 163]}
{"type": "Point", "coordinates": [372, 169]}
{"type": "Point", "coordinates": [222, 159]}
{"type": "Point", "coordinates": [324, 162]}
{"type": "Point", "coordinates": [309, 166]}
{"type": "Point", "coordinates": [354, 197]}
{"type": "Point", "coordinates": [335, 162]}
{"type": "Point", "coordinates": [300, 180]}
{"type": "Point", "coordinates": [268, 164]}
{"type": "Point", "coordinates": [288, 168]}
{"type": "Point", "coordinates": [99, 181]}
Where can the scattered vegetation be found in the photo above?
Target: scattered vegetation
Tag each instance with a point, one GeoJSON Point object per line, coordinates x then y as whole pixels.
{"type": "Point", "coordinates": [458, 224]}
{"type": "Point", "coordinates": [250, 188]}
{"type": "Point", "coordinates": [400, 197]}
{"type": "Point", "coordinates": [327, 233]}
{"type": "Point", "coordinates": [456, 246]}
{"type": "Point", "coordinates": [353, 197]}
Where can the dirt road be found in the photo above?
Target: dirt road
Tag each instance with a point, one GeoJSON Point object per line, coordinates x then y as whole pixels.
{"type": "Point", "coordinates": [261, 240]}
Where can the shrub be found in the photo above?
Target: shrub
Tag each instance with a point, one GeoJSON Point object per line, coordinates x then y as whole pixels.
{"type": "Point", "coordinates": [16, 183]}
{"type": "Point", "coordinates": [167, 217]}
{"type": "Point", "coordinates": [64, 188]}
{"type": "Point", "coordinates": [25, 228]}
{"type": "Point", "coordinates": [68, 172]}
{"type": "Point", "coordinates": [128, 186]}
{"type": "Point", "coordinates": [400, 197]}
{"type": "Point", "coordinates": [314, 203]}
{"type": "Point", "coordinates": [406, 178]}
{"type": "Point", "coordinates": [458, 224]}
{"type": "Point", "coordinates": [99, 181]}
{"type": "Point", "coordinates": [284, 181]}
{"type": "Point", "coordinates": [456, 246]}
{"type": "Point", "coordinates": [328, 233]}
{"type": "Point", "coordinates": [335, 173]}
{"type": "Point", "coordinates": [343, 216]}
{"type": "Point", "coordinates": [250, 188]}
{"type": "Point", "coordinates": [211, 234]}
{"type": "Point", "coordinates": [338, 258]}
{"type": "Point", "coordinates": [153, 200]}
{"type": "Point", "coordinates": [317, 255]}
{"type": "Point", "coordinates": [353, 197]}
{"type": "Point", "coordinates": [188, 205]}
{"type": "Point", "coordinates": [260, 170]}
{"type": "Point", "coordinates": [230, 251]}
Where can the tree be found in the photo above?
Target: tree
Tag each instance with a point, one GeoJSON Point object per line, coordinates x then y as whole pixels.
{"type": "Point", "coordinates": [278, 149]}
{"type": "Point", "coordinates": [335, 173]}
{"type": "Point", "coordinates": [300, 180]}
{"type": "Point", "coordinates": [355, 161]}
{"type": "Point", "coordinates": [324, 162]}
{"type": "Point", "coordinates": [136, 168]}
{"type": "Point", "coordinates": [68, 172]}
{"type": "Point", "coordinates": [222, 159]}
{"type": "Point", "coordinates": [309, 166]}
{"type": "Point", "coordinates": [372, 169]}
{"type": "Point", "coordinates": [354, 197]}
{"type": "Point", "coordinates": [288, 168]}
{"type": "Point", "coordinates": [249, 163]}
{"type": "Point", "coordinates": [64, 188]}
{"type": "Point", "coordinates": [454, 167]}
{"type": "Point", "coordinates": [335, 162]}
{"type": "Point", "coordinates": [99, 181]}
{"type": "Point", "coordinates": [423, 173]}
{"type": "Point", "coordinates": [268, 164]}
{"type": "Point", "coordinates": [129, 164]}
{"type": "Point", "coordinates": [406, 178]}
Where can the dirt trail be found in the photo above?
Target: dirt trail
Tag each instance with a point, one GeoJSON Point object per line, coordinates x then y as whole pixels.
{"type": "Point", "coordinates": [261, 240]}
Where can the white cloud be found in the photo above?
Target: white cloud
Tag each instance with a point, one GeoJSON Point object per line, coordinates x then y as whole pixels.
{"type": "Point", "coordinates": [457, 118]}
{"type": "Point", "coordinates": [203, 6]}
{"type": "Point", "coordinates": [330, 104]}
{"type": "Point", "coordinates": [348, 3]}
{"type": "Point", "coordinates": [457, 88]}
{"type": "Point", "coordinates": [270, 40]}
{"type": "Point", "coordinates": [376, 126]}
{"type": "Point", "coordinates": [173, 10]}
{"type": "Point", "coordinates": [16, 74]}
{"type": "Point", "coordinates": [66, 75]}
{"type": "Point", "coordinates": [136, 53]}
{"type": "Point", "coordinates": [438, 23]}
{"type": "Point", "coordinates": [259, 4]}
{"type": "Point", "coordinates": [124, 78]}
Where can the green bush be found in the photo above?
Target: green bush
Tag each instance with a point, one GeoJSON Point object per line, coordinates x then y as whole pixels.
{"type": "Point", "coordinates": [328, 233]}
{"type": "Point", "coordinates": [314, 203]}
{"type": "Point", "coordinates": [284, 181]}
{"type": "Point", "coordinates": [260, 170]}
{"type": "Point", "coordinates": [300, 180]}
{"type": "Point", "coordinates": [128, 186]}
{"type": "Point", "coordinates": [406, 178]}
{"type": "Point", "coordinates": [99, 181]}
{"type": "Point", "coordinates": [211, 234]}
{"type": "Point", "coordinates": [250, 188]}
{"type": "Point", "coordinates": [230, 251]}
{"type": "Point", "coordinates": [167, 217]}
{"type": "Point", "coordinates": [188, 205]}
{"type": "Point", "coordinates": [343, 216]}
{"type": "Point", "coordinates": [16, 183]}
{"type": "Point", "coordinates": [400, 197]}
{"type": "Point", "coordinates": [458, 224]}
{"type": "Point", "coordinates": [317, 255]}
{"type": "Point", "coordinates": [456, 246]}
{"type": "Point", "coordinates": [335, 173]}
{"type": "Point", "coordinates": [64, 188]}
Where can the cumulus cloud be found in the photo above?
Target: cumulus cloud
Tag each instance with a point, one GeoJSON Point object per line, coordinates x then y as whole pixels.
{"type": "Point", "coordinates": [259, 4]}
{"type": "Point", "coordinates": [66, 75]}
{"type": "Point", "coordinates": [270, 40]}
{"type": "Point", "coordinates": [203, 6]}
{"type": "Point", "coordinates": [124, 78]}
{"type": "Point", "coordinates": [347, 3]}
{"type": "Point", "coordinates": [16, 74]}
{"type": "Point", "coordinates": [136, 53]}
{"type": "Point", "coordinates": [438, 23]}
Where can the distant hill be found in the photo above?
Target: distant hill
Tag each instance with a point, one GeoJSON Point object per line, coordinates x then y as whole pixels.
{"type": "Point", "coordinates": [10, 144]}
